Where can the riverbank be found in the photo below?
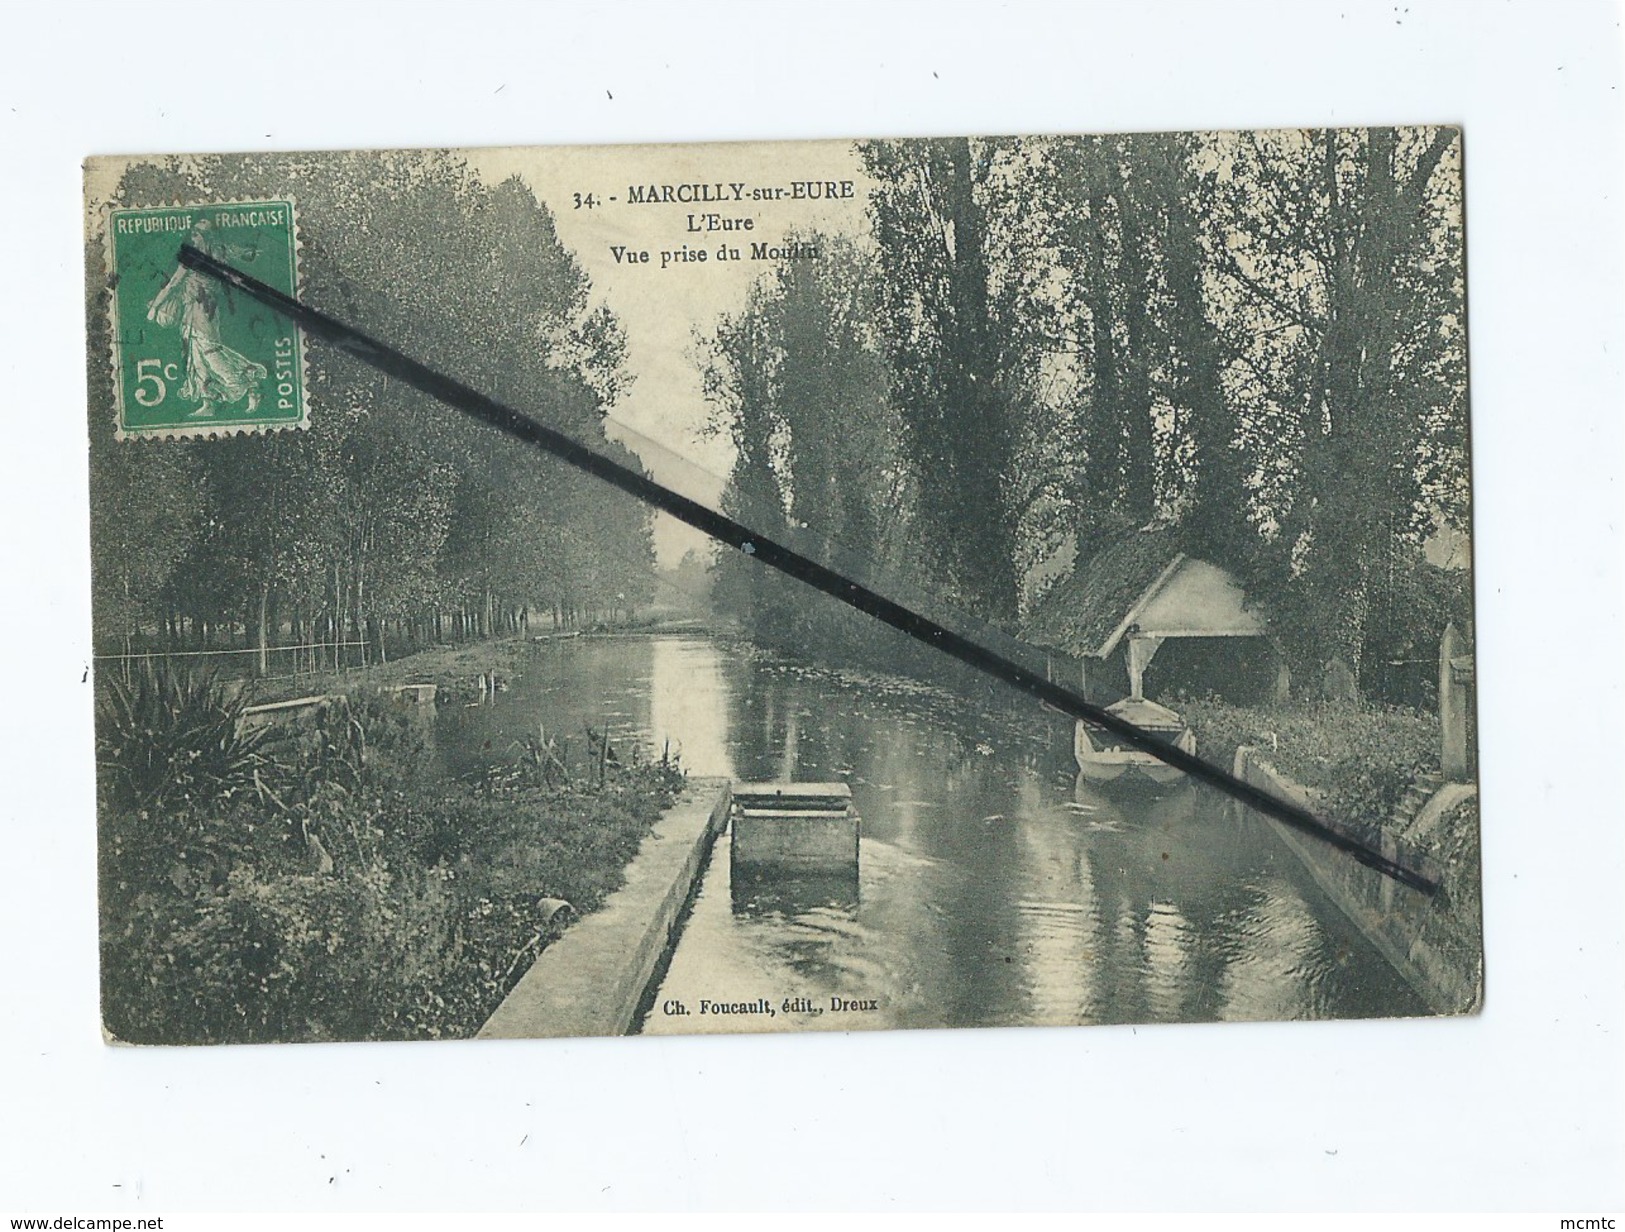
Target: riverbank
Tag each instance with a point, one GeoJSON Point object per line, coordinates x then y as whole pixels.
{"type": "Point", "coordinates": [1374, 773]}
{"type": "Point", "coordinates": [1359, 759]}
{"type": "Point", "coordinates": [594, 981]}
{"type": "Point", "coordinates": [336, 887]}
{"type": "Point", "coordinates": [454, 669]}
{"type": "Point", "coordinates": [1434, 941]}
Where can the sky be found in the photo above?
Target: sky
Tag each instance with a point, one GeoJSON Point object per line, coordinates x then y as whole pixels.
{"type": "Point", "coordinates": [664, 303]}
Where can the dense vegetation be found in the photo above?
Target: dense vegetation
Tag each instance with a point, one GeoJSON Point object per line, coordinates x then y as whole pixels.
{"type": "Point", "coordinates": [1254, 339]}
{"type": "Point", "coordinates": [317, 884]}
{"type": "Point", "coordinates": [1359, 757]}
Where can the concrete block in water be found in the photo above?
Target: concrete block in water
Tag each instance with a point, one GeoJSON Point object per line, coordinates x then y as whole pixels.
{"type": "Point", "coordinates": [794, 827]}
{"type": "Point", "coordinates": [412, 696]}
{"type": "Point", "coordinates": [294, 711]}
{"type": "Point", "coordinates": [417, 703]}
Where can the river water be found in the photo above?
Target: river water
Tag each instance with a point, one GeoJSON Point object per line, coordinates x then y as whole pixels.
{"type": "Point", "coordinates": [993, 888]}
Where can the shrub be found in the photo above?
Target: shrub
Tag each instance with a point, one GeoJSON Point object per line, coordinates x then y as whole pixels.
{"type": "Point", "coordinates": [359, 741]}
{"type": "Point", "coordinates": [219, 927]}
{"type": "Point", "coordinates": [173, 738]}
{"type": "Point", "coordinates": [302, 957]}
{"type": "Point", "coordinates": [1360, 757]}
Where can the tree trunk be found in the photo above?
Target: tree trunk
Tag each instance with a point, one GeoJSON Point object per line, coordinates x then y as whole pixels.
{"type": "Point", "coordinates": [979, 434]}
{"type": "Point", "coordinates": [1139, 447]}
{"type": "Point", "coordinates": [264, 655]}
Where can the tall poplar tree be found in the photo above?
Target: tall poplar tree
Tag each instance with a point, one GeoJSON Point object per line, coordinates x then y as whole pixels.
{"type": "Point", "coordinates": [933, 208]}
{"type": "Point", "coordinates": [1337, 268]}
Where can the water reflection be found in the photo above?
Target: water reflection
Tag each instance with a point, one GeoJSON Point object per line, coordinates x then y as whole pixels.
{"type": "Point", "coordinates": [772, 895]}
{"type": "Point", "coordinates": [690, 704]}
{"type": "Point", "coordinates": [993, 888]}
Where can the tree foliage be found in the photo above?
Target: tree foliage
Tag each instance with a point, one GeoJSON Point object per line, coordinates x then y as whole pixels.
{"type": "Point", "coordinates": [947, 330]}
{"type": "Point", "coordinates": [1338, 281]}
{"type": "Point", "coordinates": [1256, 339]}
{"type": "Point", "coordinates": [799, 385]}
{"type": "Point", "coordinates": [390, 512]}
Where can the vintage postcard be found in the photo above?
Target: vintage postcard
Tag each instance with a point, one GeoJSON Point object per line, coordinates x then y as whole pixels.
{"type": "Point", "coordinates": [409, 730]}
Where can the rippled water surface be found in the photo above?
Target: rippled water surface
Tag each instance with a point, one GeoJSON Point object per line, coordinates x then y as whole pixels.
{"type": "Point", "coordinates": [993, 888]}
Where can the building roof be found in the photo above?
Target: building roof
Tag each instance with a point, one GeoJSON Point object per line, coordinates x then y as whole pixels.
{"type": "Point", "coordinates": [1140, 583]}
{"type": "Point", "coordinates": [1081, 612]}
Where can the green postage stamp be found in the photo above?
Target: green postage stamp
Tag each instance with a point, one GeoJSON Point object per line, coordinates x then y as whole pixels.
{"type": "Point", "coordinates": [191, 357]}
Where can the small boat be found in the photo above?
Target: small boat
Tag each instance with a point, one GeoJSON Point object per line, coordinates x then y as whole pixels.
{"type": "Point", "coordinates": [1106, 759]}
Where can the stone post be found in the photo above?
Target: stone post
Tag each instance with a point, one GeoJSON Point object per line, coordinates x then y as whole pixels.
{"type": "Point", "coordinates": [1281, 685]}
{"type": "Point", "coordinates": [1141, 650]}
{"type": "Point", "coordinates": [1453, 702]}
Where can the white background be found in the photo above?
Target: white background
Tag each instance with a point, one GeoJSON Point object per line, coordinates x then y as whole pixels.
{"type": "Point", "coordinates": [1519, 1108]}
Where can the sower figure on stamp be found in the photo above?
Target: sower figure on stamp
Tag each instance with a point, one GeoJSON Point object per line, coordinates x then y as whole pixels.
{"type": "Point", "coordinates": [214, 372]}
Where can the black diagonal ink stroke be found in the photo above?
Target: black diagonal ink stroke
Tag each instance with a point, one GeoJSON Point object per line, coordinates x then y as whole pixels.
{"type": "Point", "coordinates": [785, 559]}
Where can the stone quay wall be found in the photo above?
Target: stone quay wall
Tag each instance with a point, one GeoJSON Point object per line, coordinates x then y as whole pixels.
{"type": "Point", "coordinates": [1435, 941]}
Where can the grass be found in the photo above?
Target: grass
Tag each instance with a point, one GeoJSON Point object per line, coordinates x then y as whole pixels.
{"type": "Point", "coordinates": [1360, 757]}
{"type": "Point", "coordinates": [454, 668]}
